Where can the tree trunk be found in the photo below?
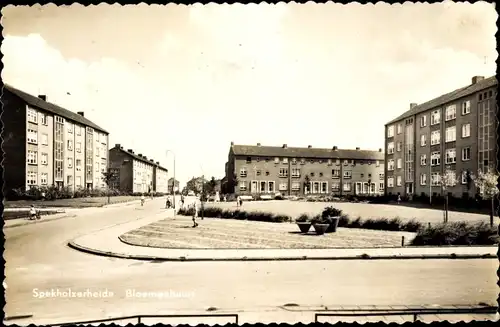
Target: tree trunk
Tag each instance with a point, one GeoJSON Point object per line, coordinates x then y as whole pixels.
{"type": "Point", "coordinates": [492, 212]}
{"type": "Point", "coordinates": [446, 208]}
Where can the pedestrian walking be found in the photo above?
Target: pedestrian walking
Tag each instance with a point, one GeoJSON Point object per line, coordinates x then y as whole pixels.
{"type": "Point", "coordinates": [182, 201]}
{"type": "Point", "coordinates": [195, 213]}
{"type": "Point", "coordinates": [238, 200]}
{"type": "Point", "coordinates": [399, 198]}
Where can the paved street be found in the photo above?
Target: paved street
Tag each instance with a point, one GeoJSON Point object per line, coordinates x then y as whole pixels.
{"type": "Point", "coordinates": [38, 258]}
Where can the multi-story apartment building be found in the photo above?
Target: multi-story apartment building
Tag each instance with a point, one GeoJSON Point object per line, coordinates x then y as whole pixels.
{"type": "Point", "coordinates": [135, 173]}
{"type": "Point", "coordinates": [294, 171]}
{"type": "Point", "coordinates": [455, 132]}
{"type": "Point", "coordinates": [46, 144]}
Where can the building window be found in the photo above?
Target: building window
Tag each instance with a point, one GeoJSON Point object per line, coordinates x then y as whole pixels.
{"type": "Point", "coordinates": [78, 130]}
{"type": "Point", "coordinates": [267, 173]}
{"type": "Point", "coordinates": [70, 145]}
{"type": "Point", "coordinates": [69, 180]}
{"type": "Point", "coordinates": [44, 178]}
{"type": "Point", "coordinates": [295, 172]}
{"type": "Point", "coordinates": [324, 187]}
{"type": "Point", "coordinates": [283, 186]}
{"type": "Point", "coordinates": [464, 177]}
{"type": "Point", "coordinates": [435, 117]}
{"type": "Point", "coordinates": [43, 119]}
{"type": "Point", "coordinates": [249, 159]}
{"type": "Point", "coordinates": [45, 139]}
{"type": "Point", "coordinates": [31, 178]}
{"type": "Point", "coordinates": [296, 186]}
{"type": "Point", "coordinates": [390, 148]}
{"type": "Point", "coordinates": [465, 130]}
{"type": "Point", "coordinates": [451, 156]}
{"type": "Point", "coordinates": [257, 172]}
{"type": "Point", "coordinates": [390, 131]}
{"type": "Point", "coordinates": [294, 161]}
{"type": "Point", "coordinates": [435, 179]}
{"type": "Point", "coordinates": [435, 158]}
{"type": "Point", "coordinates": [451, 112]}
{"type": "Point", "coordinates": [381, 176]}
{"type": "Point", "coordinates": [466, 107]}
{"type": "Point", "coordinates": [320, 174]}
{"type": "Point", "coordinates": [329, 162]}
{"type": "Point", "coordinates": [398, 146]}
{"type": "Point", "coordinates": [399, 129]}
{"type": "Point", "coordinates": [32, 157]}
{"type": "Point", "coordinates": [78, 164]}
{"type": "Point", "coordinates": [423, 121]}
{"type": "Point", "coordinates": [390, 164]}
{"type": "Point", "coordinates": [270, 187]}
{"type": "Point", "coordinates": [435, 137]}
{"type": "Point", "coordinates": [398, 180]}
{"type": "Point", "coordinates": [465, 154]}
{"type": "Point", "coordinates": [312, 174]}
{"type": "Point", "coordinates": [347, 174]}
{"type": "Point", "coordinates": [381, 187]}
{"type": "Point", "coordinates": [337, 162]}
{"type": "Point", "coordinates": [302, 161]}
{"type": "Point", "coordinates": [377, 163]}
{"type": "Point", "coordinates": [70, 128]}
{"type": "Point", "coordinates": [423, 159]}
{"type": "Point", "coordinates": [70, 162]}
{"type": "Point", "coordinates": [243, 172]}
{"type": "Point", "coordinates": [32, 136]}
{"type": "Point", "coordinates": [390, 182]}
{"type": "Point", "coordinates": [362, 175]}
{"type": "Point", "coordinates": [347, 187]}
{"type": "Point", "coordinates": [32, 115]}
{"type": "Point", "coordinates": [423, 179]}
{"type": "Point", "coordinates": [346, 162]}
{"type": "Point", "coordinates": [423, 140]}
{"type": "Point", "coordinates": [44, 159]}
{"type": "Point", "coordinates": [335, 187]}
{"type": "Point", "coordinates": [285, 160]}
{"type": "Point", "coordinates": [451, 134]}
{"type": "Point", "coordinates": [97, 153]}
{"type": "Point", "coordinates": [335, 173]}
{"type": "Point", "coordinates": [372, 188]}
{"type": "Point", "coordinates": [78, 147]}
{"type": "Point", "coordinates": [276, 160]}
{"type": "Point", "coordinates": [399, 163]}
{"type": "Point", "coordinates": [283, 172]}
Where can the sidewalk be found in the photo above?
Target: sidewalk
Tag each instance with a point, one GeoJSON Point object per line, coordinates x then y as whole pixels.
{"type": "Point", "coordinates": [65, 213]}
{"type": "Point", "coordinates": [107, 243]}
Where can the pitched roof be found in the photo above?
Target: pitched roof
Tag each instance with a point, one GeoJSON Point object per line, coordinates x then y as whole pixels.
{"type": "Point", "coordinates": [448, 97]}
{"type": "Point", "coordinates": [136, 157]}
{"type": "Point", "coordinates": [294, 152]}
{"type": "Point", "coordinates": [52, 108]}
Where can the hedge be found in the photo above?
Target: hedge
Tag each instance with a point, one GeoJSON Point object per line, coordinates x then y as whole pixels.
{"type": "Point", "coordinates": [457, 233]}
{"type": "Point", "coordinates": [212, 212]}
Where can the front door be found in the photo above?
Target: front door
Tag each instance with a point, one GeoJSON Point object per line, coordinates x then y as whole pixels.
{"type": "Point", "coordinates": [254, 187]}
{"type": "Point", "coordinates": [409, 188]}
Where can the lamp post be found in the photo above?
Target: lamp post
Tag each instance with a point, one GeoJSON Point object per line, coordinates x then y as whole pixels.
{"type": "Point", "coordinates": [202, 191]}
{"type": "Point", "coordinates": [173, 184]}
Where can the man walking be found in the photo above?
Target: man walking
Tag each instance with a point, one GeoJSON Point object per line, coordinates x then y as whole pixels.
{"type": "Point", "coordinates": [195, 213]}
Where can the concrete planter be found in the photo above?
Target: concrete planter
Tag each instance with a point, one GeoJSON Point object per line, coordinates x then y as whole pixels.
{"type": "Point", "coordinates": [334, 223]}
{"type": "Point", "coordinates": [320, 228]}
{"type": "Point", "coordinates": [304, 226]}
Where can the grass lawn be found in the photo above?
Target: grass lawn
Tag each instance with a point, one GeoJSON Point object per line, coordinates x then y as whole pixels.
{"type": "Point", "coordinates": [72, 203]}
{"type": "Point", "coordinates": [213, 233]}
{"type": "Point", "coordinates": [354, 210]}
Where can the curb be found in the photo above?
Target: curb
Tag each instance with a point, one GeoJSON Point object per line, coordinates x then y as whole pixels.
{"type": "Point", "coordinates": [39, 221]}
{"type": "Point", "coordinates": [81, 248]}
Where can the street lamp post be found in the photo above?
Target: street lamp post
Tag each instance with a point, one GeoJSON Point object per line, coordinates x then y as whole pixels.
{"type": "Point", "coordinates": [173, 184]}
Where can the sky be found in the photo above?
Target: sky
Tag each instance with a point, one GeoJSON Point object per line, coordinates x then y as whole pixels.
{"type": "Point", "coordinates": [193, 79]}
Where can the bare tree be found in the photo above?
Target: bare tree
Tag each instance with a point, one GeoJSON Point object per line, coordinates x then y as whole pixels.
{"type": "Point", "coordinates": [109, 177]}
{"type": "Point", "coordinates": [446, 180]}
{"type": "Point", "coordinates": [487, 185]}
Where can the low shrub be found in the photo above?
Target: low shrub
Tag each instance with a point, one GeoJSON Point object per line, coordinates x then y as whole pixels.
{"type": "Point", "coordinates": [412, 226]}
{"type": "Point", "coordinates": [457, 233]}
{"type": "Point", "coordinates": [355, 224]}
{"type": "Point", "coordinates": [344, 221]}
{"type": "Point", "coordinates": [331, 211]}
{"type": "Point", "coordinates": [303, 218]}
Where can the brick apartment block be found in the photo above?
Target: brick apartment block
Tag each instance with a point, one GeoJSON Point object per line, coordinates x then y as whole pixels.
{"type": "Point", "coordinates": [268, 170]}
{"type": "Point", "coordinates": [455, 132]}
{"type": "Point", "coordinates": [46, 144]}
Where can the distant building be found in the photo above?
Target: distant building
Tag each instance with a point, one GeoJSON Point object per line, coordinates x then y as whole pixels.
{"type": "Point", "coordinates": [454, 132]}
{"type": "Point", "coordinates": [46, 144]}
{"type": "Point", "coordinates": [256, 169]}
{"type": "Point", "coordinates": [136, 173]}
{"type": "Point", "coordinates": [171, 185]}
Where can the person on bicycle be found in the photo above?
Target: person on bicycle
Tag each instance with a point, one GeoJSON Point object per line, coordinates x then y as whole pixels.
{"type": "Point", "coordinates": [143, 199]}
{"type": "Point", "coordinates": [33, 212]}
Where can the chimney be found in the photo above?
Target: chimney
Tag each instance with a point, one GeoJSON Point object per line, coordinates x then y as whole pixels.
{"type": "Point", "coordinates": [335, 148]}
{"type": "Point", "coordinates": [309, 146]}
{"type": "Point", "coordinates": [477, 79]}
{"type": "Point", "coordinates": [158, 163]}
{"type": "Point", "coordinates": [130, 150]}
{"type": "Point", "coordinates": [121, 148]}
{"type": "Point", "coordinates": [43, 97]}
{"type": "Point", "coordinates": [232, 143]}
{"type": "Point", "coordinates": [81, 113]}
{"type": "Point", "coordinates": [380, 150]}
{"type": "Point", "coordinates": [145, 157]}
{"type": "Point", "coordinates": [258, 144]}
{"type": "Point", "coordinates": [151, 160]}
{"type": "Point", "coordinates": [118, 146]}
{"type": "Point", "coordinates": [140, 155]}
{"type": "Point", "coordinates": [357, 148]}
{"type": "Point", "coordinates": [285, 146]}
{"type": "Point", "coordinates": [413, 105]}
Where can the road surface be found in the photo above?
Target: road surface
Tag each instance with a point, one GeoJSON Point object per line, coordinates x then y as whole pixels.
{"type": "Point", "coordinates": [38, 260]}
